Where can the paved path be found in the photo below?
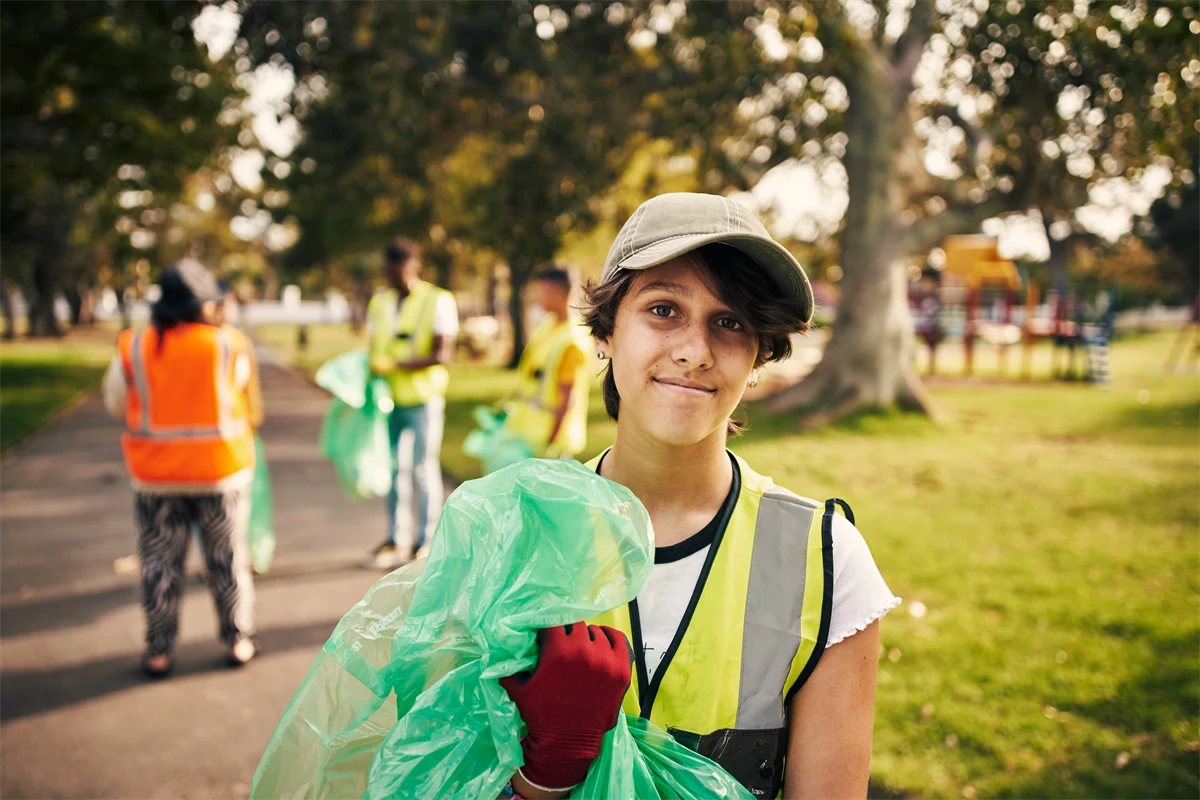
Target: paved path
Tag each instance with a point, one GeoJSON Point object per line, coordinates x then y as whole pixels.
{"type": "Point", "coordinates": [76, 717]}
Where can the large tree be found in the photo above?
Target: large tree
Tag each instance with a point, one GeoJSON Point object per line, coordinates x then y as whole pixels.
{"type": "Point", "coordinates": [104, 107]}
{"type": "Point", "coordinates": [941, 114]}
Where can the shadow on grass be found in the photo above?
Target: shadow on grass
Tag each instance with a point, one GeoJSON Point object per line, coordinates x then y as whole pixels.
{"type": "Point", "coordinates": [1181, 417]}
{"type": "Point", "coordinates": [1141, 711]}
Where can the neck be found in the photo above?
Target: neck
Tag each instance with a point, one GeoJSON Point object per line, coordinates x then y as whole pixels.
{"type": "Point", "coordinates": [404, 288]}
{"type": "Point", "coordinates": [558, 314]}
{"type": "Point", "coordinates": [673, 482]}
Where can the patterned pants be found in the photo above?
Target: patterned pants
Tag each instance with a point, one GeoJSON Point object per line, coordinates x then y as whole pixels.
{"type": "Point", "coordinates": [164, 526]}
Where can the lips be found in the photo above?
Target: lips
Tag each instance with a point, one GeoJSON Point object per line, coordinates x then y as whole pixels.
{"type": "Point", "coordinates": [685, 386]}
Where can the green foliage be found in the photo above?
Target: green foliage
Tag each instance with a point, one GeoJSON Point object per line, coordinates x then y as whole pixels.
{"type": "Point", "coordinates": [1174, 235]}
{"type": "Point", "coordinates": [96, 100]}
{"type": "Point", "coordinates": [461, 124]}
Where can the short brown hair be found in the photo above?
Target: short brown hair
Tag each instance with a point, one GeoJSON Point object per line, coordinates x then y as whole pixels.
{"type": "Point", "coordinates": [738, 280]}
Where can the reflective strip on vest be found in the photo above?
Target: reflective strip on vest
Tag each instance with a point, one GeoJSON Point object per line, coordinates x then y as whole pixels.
{"type": "Point", "coordinates": [139, 378]}
{"type": "Point", "coordinates": [774, 607]}
{"type": "Point", "coordinates": [226, 428]}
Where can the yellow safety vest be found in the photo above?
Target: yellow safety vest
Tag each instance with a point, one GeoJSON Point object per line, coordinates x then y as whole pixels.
{"type": "Point", "coordinates": [405, 333]}
{"type": "Point", "coordinates": [755, 627]}
{"type": "Point", "coordinates": [531, 413]}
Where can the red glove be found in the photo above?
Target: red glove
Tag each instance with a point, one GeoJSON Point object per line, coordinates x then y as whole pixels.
{"type": "Point", "coordinates": [570, 700]}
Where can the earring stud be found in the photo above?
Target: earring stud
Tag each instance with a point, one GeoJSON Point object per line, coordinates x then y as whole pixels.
{"type": "Point", "coordinates": [600, 355]}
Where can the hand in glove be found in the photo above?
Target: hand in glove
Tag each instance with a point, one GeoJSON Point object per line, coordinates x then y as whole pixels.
{"type": "Point", "coordinates": [569, 701]}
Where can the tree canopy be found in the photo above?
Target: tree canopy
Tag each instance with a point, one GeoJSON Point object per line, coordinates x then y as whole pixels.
{"type": "Point", "coordinates": [105, 110]}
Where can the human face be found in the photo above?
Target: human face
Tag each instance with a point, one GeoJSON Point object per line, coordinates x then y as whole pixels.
{"type": "Point", "coordinates": [681, 357]}
{"type": "Point", "coordinates": [549, 296]}
{"type": "Point", "coordinates": [404, 275]}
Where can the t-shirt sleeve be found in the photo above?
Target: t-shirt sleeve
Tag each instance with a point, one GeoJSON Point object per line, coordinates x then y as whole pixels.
{"type": "Point", "coordinates": [860, 595]}
{"type": "Point", "coordinates": [114, 389]}
{"type": "Point", "coordinates": [445, 315]}
{"type": "Point", "coordinates": [572, 360]}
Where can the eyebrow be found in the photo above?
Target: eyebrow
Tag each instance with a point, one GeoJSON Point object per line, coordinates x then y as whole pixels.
{"type": "Point", "coordinates": [668, 286]}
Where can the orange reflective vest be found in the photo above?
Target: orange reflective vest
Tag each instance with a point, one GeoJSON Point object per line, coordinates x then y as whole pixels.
{"type": "Point", "coordinates": [187, 422]}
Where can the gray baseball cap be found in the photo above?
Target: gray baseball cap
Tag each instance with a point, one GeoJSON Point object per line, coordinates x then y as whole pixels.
{"type": "Point", "coordinates": [670, 225]}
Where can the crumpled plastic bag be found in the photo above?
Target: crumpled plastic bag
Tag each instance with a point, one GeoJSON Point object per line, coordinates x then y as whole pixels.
{"type": "Point", "coordinates": [493, 444]}
{"type": "Point", "coordinates": [260, 536]}
{"type": "Point", "coordinates": [404, 699]}
{"type": "Point", "coordinates": [354, 434]}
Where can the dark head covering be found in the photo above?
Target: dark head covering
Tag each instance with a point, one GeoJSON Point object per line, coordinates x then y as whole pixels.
{"type": "Point", "coordinates": [185, 287]}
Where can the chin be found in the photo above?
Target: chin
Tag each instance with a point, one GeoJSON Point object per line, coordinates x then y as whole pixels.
{"type": "Point", "coordinates": [679, 433]}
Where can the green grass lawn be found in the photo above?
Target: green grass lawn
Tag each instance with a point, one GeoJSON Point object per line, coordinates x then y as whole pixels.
{"type": "Point", "coordinates": [1049, 534]}
{"type": "Point", "coordinates": [37, 378]}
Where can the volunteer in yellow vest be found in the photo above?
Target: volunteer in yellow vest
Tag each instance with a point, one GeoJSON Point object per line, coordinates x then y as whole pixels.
{"type": "Point", "coordinates": [549, 410]}
{"type": "Point", "coordinates": [756, 637]}
{"type": "Point", "coordinates": [412, 327]}
{"type": "Point", "coordinates": [181, 387]}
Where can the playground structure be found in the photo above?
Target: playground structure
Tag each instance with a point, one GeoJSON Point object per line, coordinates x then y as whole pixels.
{"type": "Point", "coordinates": [975, 295]}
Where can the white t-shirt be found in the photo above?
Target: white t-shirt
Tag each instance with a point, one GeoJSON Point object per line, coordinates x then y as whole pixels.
{"type": "Point", "coordinates": [445, 315]}
{"type": "Point", "coordinates": [860, 595]}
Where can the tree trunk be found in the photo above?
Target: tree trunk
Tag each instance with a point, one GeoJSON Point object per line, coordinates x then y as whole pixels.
{"type": "Point", "coordinates": [6, 305]}
{"type": "Point", "coordinates": [74, 303]}
{"type": "Point", "coordinates": [1058, 259]}
{"type": "Point", "coordinates": [359, 299]}
{"type": "Point", "coordinates": [868, 362]}
{"type": "Point", "coordinates": [492, 284]}
{"type": "Point", "coordinates": [124, 306]}
{"type": "Point", "coordinates": [87, 309]}
{"type": "Point", "coordinates": [42, 321]}
{"type": "Point", "coordinates": [518, 277]}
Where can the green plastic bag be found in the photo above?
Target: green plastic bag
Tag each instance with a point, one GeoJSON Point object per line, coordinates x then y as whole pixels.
{"type": "Point", "coordinates": [354, 434]}
{"type": "Point", "coordinates": [404, 699]}
{"type": "Point", "coordinates": [260, 536]}
{"type": "Point", "coordinates": [492, 443]}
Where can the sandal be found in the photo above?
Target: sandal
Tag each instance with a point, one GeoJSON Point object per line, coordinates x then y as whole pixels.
{"type": "Point", "coordinates": [157, 666]}
{"type": "Point", "coordinates": [242, 651]}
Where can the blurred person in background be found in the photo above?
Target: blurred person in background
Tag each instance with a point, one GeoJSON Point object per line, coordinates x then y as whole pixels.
{"type": "Point", "coordinates": [755, 640]}
{"type": "Point", "coordinates": [229, 315]}
{"type": "Point", "coordinates": [549, 410]}
{"type": "Point", "coordinates": [181, 385]}
{"type": "Point", "coordinates": [412, 326]}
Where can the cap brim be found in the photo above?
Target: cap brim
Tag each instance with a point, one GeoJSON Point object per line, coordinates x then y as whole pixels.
{"type": "Point", "coordinates": [780, 265]}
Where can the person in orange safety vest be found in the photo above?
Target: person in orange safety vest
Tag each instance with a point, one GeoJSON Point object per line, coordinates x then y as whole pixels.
{"type": "Point", "coordinates": [183, 388]}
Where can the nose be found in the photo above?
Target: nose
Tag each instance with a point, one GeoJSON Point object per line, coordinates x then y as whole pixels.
{"type": "Point", "coordinates": [692, 347]}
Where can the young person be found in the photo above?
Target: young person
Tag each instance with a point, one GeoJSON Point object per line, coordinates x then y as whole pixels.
{"type": "Point", "coordinates": [756, 638]}
{"type": "Point", "coordinates": [549, 410]}
{"type": "Point", "coordinates": [181, 387]}
{"type": "Point", "coordinates": [412, 326]}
